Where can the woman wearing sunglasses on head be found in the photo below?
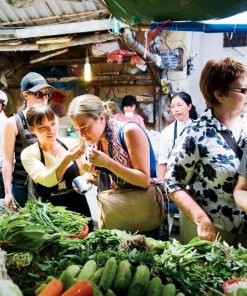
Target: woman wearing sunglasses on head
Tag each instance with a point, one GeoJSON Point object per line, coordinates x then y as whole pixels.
{"type": "Point", "coordinates": [34, 90]}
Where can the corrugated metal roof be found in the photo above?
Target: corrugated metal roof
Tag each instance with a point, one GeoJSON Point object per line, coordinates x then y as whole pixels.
{"type": "Point", "coordinates": [45, 12]}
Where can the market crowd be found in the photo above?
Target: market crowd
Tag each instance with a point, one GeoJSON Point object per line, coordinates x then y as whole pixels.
{"type": "Point", "coordinates": [202, 163]}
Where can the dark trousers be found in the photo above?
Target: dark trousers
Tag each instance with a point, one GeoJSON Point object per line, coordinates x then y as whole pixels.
{"type": "Point", "coordinates": [1, 186]}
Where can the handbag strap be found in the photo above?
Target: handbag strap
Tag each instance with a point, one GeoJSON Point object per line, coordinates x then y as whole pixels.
{"type": "Point", "coordinates": [21, 131]}
{"type": "Point", "coordinates": [175, 133]}
{"type": "Point", "coordinates": [232, 143]}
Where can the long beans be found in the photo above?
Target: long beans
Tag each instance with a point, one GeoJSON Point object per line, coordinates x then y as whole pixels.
{"type": "Point", "coordinates": [56, 219]}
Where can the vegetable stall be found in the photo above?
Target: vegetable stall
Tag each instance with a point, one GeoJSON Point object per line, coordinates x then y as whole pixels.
{"type": "Point", "coordinates": [46, 257]}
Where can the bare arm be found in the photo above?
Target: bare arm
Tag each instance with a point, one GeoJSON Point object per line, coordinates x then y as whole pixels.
{"type": "Point", "coordinates": [9, 137]}
{"type": "Point", "coordinates": [48, 176]}
{"type": "Point", "coordinates": [162, 168]}
{"type": "Point", "coordinates": [240, 193]}
{"type": "Point", "coordinates": [138, 149]}
{"type": "Point", "coordinates": [71, 154]}
{"type": "Point", "coordinates": [205, 228]}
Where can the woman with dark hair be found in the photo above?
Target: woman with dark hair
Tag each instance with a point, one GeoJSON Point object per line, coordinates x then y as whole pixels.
{"type": "Point", "coordinates": [183, 111]}
{"type": "Point", "coordinates": [51, 165]}
{"type": "Point", "coordinates": [202, 169]}
{"type": "Point", "coordinates": [128, 107]}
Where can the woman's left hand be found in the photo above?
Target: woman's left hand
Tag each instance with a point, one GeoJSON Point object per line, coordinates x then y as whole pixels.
{"type": "Point", "coordinates": [98, 158]}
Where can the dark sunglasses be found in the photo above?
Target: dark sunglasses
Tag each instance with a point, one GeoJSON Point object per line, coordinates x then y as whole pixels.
{"type": "Point", "coordinates": [39, 95]}
{"type": "Point", "coordinates": [240, 90]}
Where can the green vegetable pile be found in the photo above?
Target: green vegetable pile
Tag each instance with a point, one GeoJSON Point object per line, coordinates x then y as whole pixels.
{"type": "Point", "coordinates": [37, 226]}
{"type": "Point", "coordinates": [36, 238]}
{"type": "Point", "coordinates": [55, 218]}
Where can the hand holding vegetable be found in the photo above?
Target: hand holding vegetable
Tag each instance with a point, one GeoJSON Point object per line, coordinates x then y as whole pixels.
{"type": "Point", "coordinates": [98, 158]}
{"type": "Point", "coordinates": [76, 151]}
{"type": "Point", "coordinates": [206, 230]}
{"type": "Point", "coordinates": [9, 200]}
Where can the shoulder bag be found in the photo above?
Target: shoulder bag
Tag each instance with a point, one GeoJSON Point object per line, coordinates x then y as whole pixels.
{"type": "Point", "coordinates": [132, 209]}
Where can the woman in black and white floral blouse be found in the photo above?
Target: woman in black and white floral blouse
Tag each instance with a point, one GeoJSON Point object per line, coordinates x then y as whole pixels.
{"type": "Point", "coordinates": [202, 170]}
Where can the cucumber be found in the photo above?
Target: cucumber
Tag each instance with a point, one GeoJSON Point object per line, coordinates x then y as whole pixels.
{"type": "Point", "coordinates": [139, 281]}
{"type": "Point", "coordinates": [96, 290]}
{"type": "Point", "coordinates": [95, 278]}
{"type": "Point", "coordinates": [73, 270]}
{"type": "Point", "coordinates": [154, 288]}
{"type": "Point", "coordinates": [123, 277]}
{"type": "Point", "coordinates": [39, 289]}
{"type": "Point", "coordinates": [168, 290]}
{"type": "Point", "coordinates": [108, 274]}
{"type": "Point", "coordinates": [87, 270]}
{"type": "Point", "coordinates": [67, 279]}
{"type": "Point", "coordinates": [109, 292]}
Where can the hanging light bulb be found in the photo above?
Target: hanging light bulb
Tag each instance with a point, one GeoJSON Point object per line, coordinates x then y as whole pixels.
{"type": "Point", "coordinates": [87, 70]}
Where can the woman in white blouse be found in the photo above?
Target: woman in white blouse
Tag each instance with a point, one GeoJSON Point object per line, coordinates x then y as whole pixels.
{"type": "Point", "coordinates": [183, 111]}
{"type": "Point", "coordinates": [51, 164]}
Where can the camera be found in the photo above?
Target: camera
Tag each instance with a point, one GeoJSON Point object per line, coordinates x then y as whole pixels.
{"type": "Point", "coordinates": [81, 184]}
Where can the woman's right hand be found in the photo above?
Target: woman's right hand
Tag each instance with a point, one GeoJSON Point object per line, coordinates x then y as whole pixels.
{"type": "Point", "coordinates": [9, 201]}
{"type": "Point", "coordinates": [76, 151]}
{"type": "Point", "coordinates": [206, 230]}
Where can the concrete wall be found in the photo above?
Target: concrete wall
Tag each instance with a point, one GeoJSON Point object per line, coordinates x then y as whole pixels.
{"type": "Point", "coordinates": [201, 47]}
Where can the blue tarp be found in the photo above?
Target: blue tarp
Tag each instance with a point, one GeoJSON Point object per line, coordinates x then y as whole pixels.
{"type": "Point", "coordinates": [200, 27]}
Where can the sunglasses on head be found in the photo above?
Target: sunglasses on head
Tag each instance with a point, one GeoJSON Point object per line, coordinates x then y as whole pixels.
{"type": "Point", "coordinates": [41, 95]}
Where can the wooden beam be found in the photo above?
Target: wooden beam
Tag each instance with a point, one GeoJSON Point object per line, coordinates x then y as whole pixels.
{"type": "Point", "coordinates": [59, 62]}
{"type": "Point", "coordinates": [44, 56]}
{"type": "Point", "coordinates": [130, 78]}
{"type": "Point", "coordinates": [20, 45]}
{"type": "Point", "coordinates": [32, 46]}
{"type": "Point", "coordinates": [69, 28]}
{"type": "Point", "coordinates": [82, 40]}
{"type": "Point", "coordinates": [154, 73]}
{"type": "Point", "coordinates": [53, 40]}
{"type": "Point", "coordinates": [59, 18]}
{"type": "Point", "coordinates": [104, 80]}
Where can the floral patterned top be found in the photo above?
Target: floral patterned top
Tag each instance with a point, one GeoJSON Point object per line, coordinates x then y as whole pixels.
{"type": "Point", "coordinates": [204, 164]}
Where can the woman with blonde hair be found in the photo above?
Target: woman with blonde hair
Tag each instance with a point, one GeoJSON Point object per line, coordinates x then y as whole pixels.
{"type": "Point", "coordinates": [122, 156]}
